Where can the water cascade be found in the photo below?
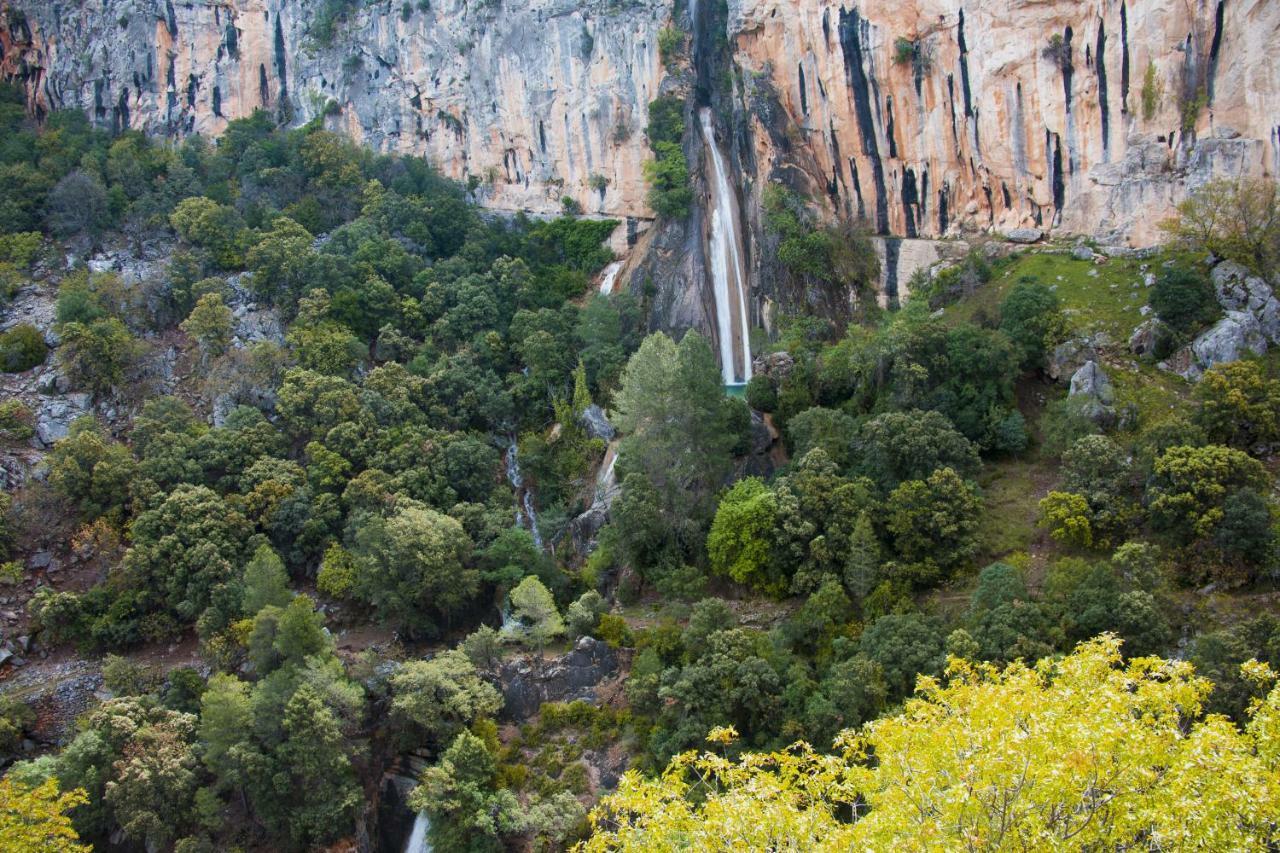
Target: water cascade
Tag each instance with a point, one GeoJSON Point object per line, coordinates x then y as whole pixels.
{"type": "Point", "coordinates": [526, 514]}
{"type": "Point", "coordinates": [610, 277]}
{"type": "Point", "coordinates": [418, 842]}
{"type": "Point", "coordinates": [727, 262]}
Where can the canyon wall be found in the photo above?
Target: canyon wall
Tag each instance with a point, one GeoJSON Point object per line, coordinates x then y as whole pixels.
{"type": "Point", "coordinates": [536, 100]}
{"type": "Point", "coordinates": [929, 117]}
{"type": "Point", "coordinates": [925, 117]}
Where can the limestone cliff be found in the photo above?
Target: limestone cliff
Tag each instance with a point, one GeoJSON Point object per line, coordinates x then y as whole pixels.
{"type": "Point", "coordinates": [936, 116]}
{"type": "Point", "coordinates": [536, 100]}
{"type": "Point", "coordinates": [926, 117]}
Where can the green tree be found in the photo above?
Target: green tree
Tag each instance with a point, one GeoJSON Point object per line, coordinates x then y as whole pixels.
{"type": "Point", "coordinates": [413, 566]}
{"type": "Point", "coordinates": [1184, 298]}
{"type": "Point", "coordinates": [319, 792]}
{"type": "Point", "coordinates": [740, 544]}
{"type": "Point", "coordinates": [1234, 219]}
{"type": "Point", "coordinates": [265, 581]}
{"type": "Point", "coordinates": [534, 607]}
{"type": "Point", "coordinates": [935, 519]}
{"type": "Point", "coordinates": [829, 429]}
{"type": "Point", "coordinates": [1031, 317]}
{"type": "Point", "coordinates": [97, 355]}
{"type": "Point", "coordinates": [1190, 485]}
{"type": "Point", "coordinates": [469, 812]}
{"type": "Point", "coordinates": [280, 261]}
{"type": "Point", "coordinates": [1068, 518]}
{"type": "Point", "coordinates": [904, 646]}
{"type": "Point", "coordinates": [670, 408]}
{"type": "Point", "coordinates": [438, 698]}
{"type": "Point", "coordinates": [210, 325]}
{"type": "Point", "coordinates": [91, 471]}
{"type": "Point", "coordinates": [911, 445]}
{"type": "Point", "coordinates": [211, 226]}
{"type": "Point", "coordinates": [1239, 405]}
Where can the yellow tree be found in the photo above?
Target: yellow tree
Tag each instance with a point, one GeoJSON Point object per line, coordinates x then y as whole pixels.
{"type": "Point", "coordinates": [1082, 753]}
{"type": "Point", "coordinates": [34, 820]}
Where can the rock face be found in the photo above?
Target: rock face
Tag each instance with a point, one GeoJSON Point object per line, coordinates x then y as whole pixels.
{"type": "Point", "coordinates": [532, 98]}
{"type": "Point", "coordinates": [938, 116]}
{"type": "Point", "coordinates": [527, 683]}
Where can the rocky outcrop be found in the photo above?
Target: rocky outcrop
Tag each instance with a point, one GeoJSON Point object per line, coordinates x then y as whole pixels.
{"type": "Point", "coordinates": [1238, 290]}
{"type": "Point", "coordinates": [1092, 387]}
{"type": "Point", "coordinates": [1232, 338]}
{"type": "Point", "coordinates": [528, 682]}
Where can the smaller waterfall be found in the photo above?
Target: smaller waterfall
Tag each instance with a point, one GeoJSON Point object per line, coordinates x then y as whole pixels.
{"type": "Point", "coordinates": [526, 514]}
{"type": "Point", "coordinates": [418, 842]}
{"type": "Point", "coordinates": [610, 277]}
{"type": "Point", "coordinates": [728, 263]}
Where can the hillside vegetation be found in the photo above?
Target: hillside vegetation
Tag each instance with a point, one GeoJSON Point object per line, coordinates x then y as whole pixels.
{"type": "Point", "coordinates": [319, 477]}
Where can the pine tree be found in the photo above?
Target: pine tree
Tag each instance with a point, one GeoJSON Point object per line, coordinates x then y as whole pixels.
{"type": "Point", "coordinates": [862, 567]}
{"type": "Point", "coordinates": [265, 581]}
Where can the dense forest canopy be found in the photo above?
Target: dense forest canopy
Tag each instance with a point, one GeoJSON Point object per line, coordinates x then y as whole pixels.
{"type": "Point", "coordinates": [326, 395]}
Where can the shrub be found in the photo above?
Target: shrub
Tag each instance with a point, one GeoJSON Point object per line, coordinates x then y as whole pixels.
{"type": "Point", "coordinates": [1151, 92]}
{"type": "Point", "coordinates": [1234, 219]}
{"type": "Point", "coordinates": [670, 47]}
{"type": "Point", "coordinates": [16, 421]}
{"type": "Point", "coordinates": [614, 631]}
{"type": "Point", "coordinates": [1184, 299]}
{"type": "Point", "coordinates": [762, 395]}
{"type": "Point", "coordinates": [670, 194]}
{"type": "Point", "coordinates": [21, 348]}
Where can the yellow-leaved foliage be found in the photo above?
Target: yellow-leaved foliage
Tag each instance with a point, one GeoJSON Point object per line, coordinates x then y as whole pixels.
{"type": "Point", "coordinates": [1087, 752]}
{"type": "Point", "coordinates": [34, 820]}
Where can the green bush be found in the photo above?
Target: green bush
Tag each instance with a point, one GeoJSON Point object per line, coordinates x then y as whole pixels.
{"type": "Point", "coordinates": [670, 194]}
{"type": "Point", "coordinates": [762, 395]}
{"type": "Point", "coordinates": [16, 421]}
{"type": "Point", "coordinates": [1184, 299]}
{"type": "Point", "coordinates": [666, 120]}
{"type": "Point", "coordinates": [671, 47]}
{"type": "Point", "coordinates": [21, 348]}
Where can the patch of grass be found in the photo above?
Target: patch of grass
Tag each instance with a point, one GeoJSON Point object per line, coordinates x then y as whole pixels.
{"type": "Point", "coordinates": [1011, 491]}
{"type": "Point", "coordinates": [1108, 301]}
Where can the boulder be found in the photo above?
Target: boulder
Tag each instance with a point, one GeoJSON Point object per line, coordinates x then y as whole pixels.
{"type": "Point", "coordinates": [1092, 385]}
{"type": "Point", "coordinates": [1237, 290]}
{"type": "Point", "coordinates": [1024, 235]}
{"type": "Point", "coordinates": [1069, 356]}
{"type": "Point", "coordinates": [1230, 339]}
{"type": "Point", "coordinates": [1083, 253]}
{"type": "Point", "coordinates": [596, 423]}
{"type": "Point", "coordinates": [1091, 381]}
{"type": "Point", "coordinates": [54, 417]}
{"type": "Point", "coordinates": [1145, 337]}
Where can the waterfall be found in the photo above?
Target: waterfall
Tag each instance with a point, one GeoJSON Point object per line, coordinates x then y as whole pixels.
{"type": "Point", "coordinates": [418, 842]}
{"type": "Point", "coordinates": [728, 263]}
{"type": "Point", "coordinates": [526, 514]}
{"type": "Point", "coordinates": [610, 277]}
